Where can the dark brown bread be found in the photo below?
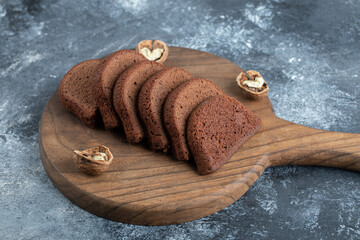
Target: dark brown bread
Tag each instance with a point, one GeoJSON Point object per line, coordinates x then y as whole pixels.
{"type": "Point", "coordinates": [126, 92]}
{"type": "Point", "coordinates": [109, 71]}
{"type": "Point", "coordinates": [75, 92]}
{"type": "Point", "coordinates": [178, 107]}
{"type": "Point", "coordinates": [151, 102]}
{"type": "Point", "coordinates": [216, 129]}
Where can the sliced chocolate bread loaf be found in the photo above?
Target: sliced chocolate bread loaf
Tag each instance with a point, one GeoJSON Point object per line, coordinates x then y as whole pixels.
{"type": "Point", "coordinates": [75, 92]}
{"type": "Point", "coordinates": [109, 71]}
{"type": "Point", "coordinates": [151, 102]}
{"type": "Point", "coordinates": [216, 129]}
{"type": "Point", "coordinates": [125, 97]}
{"type": "Point", "coordinates": [178, 107]}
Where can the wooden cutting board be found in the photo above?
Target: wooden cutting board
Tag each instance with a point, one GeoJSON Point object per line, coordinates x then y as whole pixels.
{"type": "Point", "coordinates": [144, 187]}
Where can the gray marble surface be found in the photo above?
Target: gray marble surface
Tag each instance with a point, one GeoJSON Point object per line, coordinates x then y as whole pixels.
{"type": "Point", "coordinates": [308, 51]}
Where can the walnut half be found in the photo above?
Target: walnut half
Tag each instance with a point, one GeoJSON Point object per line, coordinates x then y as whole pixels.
{"type": "Point", "coordinates": [93, 161]}
{"type": "Point", "coordinates": [153, 50]}
{"type": "Point", "coordinates": [252, 85]}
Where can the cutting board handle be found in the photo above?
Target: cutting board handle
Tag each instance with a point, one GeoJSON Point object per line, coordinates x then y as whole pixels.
{"type": "Point", "coordinates": [300, 145]}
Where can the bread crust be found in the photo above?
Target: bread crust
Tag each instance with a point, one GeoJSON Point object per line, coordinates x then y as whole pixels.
{"type": "Point", "coordinates": [125, 97]}
{"type": "Point", "coordinates": [108, 72]}
{"type": "Point", "coordinates": [178, 107]}
{"type": "Point", "coordinates": [75, 92]}
{"type": "Point", "coordinates": [151, 102]}
{"type": "Point", "coordinates": [216, 129]}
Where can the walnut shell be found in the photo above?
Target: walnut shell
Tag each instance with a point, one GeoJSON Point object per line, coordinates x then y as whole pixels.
{"type": "Point", "coordinates": [152, 44]}
{"type": "Point", "coordinates": [248, 92]}
{"type": "Point", "coordinates": [88, 165]}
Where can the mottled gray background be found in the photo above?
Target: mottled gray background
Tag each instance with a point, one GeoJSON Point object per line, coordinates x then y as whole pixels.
{"type": "Point", "coordinates": [308, 51]}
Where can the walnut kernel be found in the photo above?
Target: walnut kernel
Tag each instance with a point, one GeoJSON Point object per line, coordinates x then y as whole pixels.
{"type": "Point", "coordinates": [93, 161]}
{"type": "Point", "coordinates": [154, 50]}
{"type": "Point", "coordinates": [252, 85]}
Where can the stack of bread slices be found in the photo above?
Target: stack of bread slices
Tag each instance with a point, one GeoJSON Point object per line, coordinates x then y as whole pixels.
{"type": "Point", "coordinates": [167, 105]}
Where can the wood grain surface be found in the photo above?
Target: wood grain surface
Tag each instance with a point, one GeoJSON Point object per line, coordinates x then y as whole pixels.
{"type": "Point", "coordinates": [148, 188]}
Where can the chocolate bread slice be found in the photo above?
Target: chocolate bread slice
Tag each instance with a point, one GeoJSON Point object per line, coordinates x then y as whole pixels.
{"type": "Point", "coordinates": [109, 71]}
{"type": "Point", "coordinates": [126, 92]}
{"type": "Point", "coordinates": [75, 92]}
{"type": "Point", "coordinates": [178, 107]}
{"type": "Point", "coordinates": [151, 102]}
{"type": "Point", "coordinates": [216, 129]}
